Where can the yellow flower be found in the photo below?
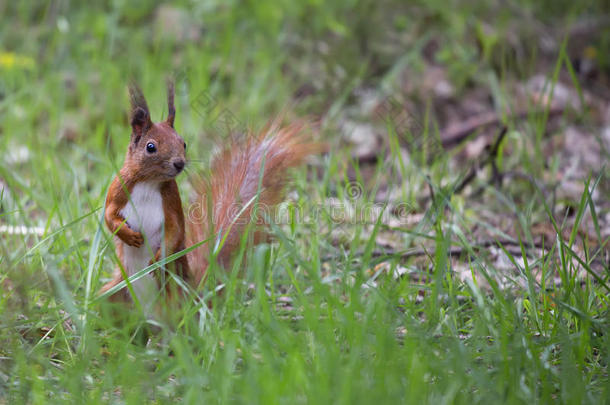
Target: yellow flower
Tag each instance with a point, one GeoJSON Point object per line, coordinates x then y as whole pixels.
{"type": "Point", "coordinates": [9, 60]}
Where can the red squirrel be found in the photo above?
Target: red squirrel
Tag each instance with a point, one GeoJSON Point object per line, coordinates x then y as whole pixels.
{"type": "Point", "coordinates": [144, 210]}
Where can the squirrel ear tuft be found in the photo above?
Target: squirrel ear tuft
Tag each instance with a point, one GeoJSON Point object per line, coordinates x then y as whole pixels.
{"type": "Point", "coordinates": [171, 110]}
{"type": "Point", "coordinates": [140, 114]}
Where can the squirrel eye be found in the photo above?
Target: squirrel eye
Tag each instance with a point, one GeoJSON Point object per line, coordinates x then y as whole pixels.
{"type": "Point", "coordinates": [184, 145]}
{"type": "Point", "coordinates": [150, 147]}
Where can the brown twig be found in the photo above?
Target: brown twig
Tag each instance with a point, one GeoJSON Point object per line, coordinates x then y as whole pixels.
{"type": "Point", "coordinates": [490, 158]}
{"type": "Point", "coordinates": [511, 246]}
{"type": "Point", "coordinates": [456, 133]}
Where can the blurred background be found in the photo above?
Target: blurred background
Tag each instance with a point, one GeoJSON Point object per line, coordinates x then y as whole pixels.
{"type": "Point", "coordinates": [474, 122]}
{"type": "Point", "coordinates": [431, 81]}
{"type": "Point", "coordinates": [64, 65]}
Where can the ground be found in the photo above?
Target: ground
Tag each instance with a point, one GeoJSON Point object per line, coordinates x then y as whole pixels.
{"type": "Point", "coordinates": [450, 247]}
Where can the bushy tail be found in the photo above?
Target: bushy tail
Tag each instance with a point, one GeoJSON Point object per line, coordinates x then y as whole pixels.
{"type": "Point", "coordinates": [226, 198]}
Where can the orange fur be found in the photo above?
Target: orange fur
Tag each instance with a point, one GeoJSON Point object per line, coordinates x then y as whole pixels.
{"type": "Point", "coordinates": [234, 181]}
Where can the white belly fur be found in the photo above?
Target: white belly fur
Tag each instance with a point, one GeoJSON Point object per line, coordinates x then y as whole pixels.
{"type": "Point", "coordinates": [144, 213]}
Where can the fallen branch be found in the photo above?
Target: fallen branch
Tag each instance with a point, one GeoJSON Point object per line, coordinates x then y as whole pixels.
{"type": "Point", "coordinates": [490, 158]}
{"type": "Point", "coordinates": [511, 246]}
{"type": "Point", "coordinates": [456, 133]}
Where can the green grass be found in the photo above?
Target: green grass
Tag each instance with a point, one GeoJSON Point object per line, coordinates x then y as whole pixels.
{"type": "Point", "coordinates": [317, 316]}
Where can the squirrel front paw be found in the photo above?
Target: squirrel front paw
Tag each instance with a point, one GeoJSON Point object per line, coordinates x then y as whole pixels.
{"type": "Point", "coordinates": [134, 239]}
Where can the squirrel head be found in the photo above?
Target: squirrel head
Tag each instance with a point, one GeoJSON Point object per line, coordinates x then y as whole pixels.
{"type": "Point", "coordinates": [156, 151]}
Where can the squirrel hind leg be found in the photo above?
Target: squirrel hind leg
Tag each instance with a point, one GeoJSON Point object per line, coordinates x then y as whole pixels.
{"type": "Point", "coordinates": [121, 296]}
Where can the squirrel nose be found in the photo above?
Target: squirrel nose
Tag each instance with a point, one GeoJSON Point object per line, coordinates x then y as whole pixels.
{"type": "Point", "coordinates": [179, 165]}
